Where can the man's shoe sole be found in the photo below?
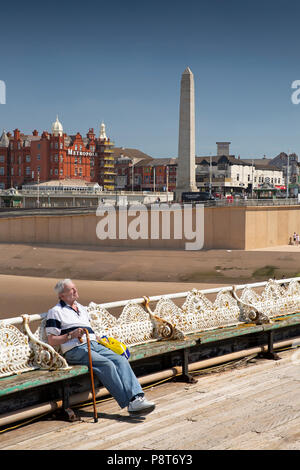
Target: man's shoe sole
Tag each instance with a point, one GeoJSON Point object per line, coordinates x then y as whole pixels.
{"type": "Point", "coordinates": [142, 412]}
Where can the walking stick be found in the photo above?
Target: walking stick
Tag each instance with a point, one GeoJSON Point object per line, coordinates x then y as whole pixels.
{"type": "Point", "coordinates": [91, 372]}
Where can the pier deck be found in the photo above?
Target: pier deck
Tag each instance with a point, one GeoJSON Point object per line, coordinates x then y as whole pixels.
{"type": "Point", "coordinates": [253, 406]}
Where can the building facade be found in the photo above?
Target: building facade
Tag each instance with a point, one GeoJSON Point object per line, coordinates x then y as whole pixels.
{"type": "Point", "coordinates": [27, 159]}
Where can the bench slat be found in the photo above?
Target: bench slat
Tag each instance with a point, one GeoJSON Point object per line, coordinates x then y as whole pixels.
{"type": "Point", "coordinates": [37, 378]}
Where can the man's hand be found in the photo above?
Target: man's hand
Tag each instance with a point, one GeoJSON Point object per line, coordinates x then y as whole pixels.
{"type": "Point", "coordinates": [56, 340]}
{"type": "Point", "coordinates": [78, 333]}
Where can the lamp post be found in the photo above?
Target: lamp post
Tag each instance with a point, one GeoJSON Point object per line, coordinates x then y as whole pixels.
{"type": "Point", "coordinates": [38, 190]}
{"type": "Point", "coordinates": [252, 179]}
{"type": "Point", "coordinates": [287, 175]}
{"type": "Point", "coordinates": [132, 176]}
{"type": "Point", "coordinates": [210, 168]}
{"type": "Point", "coordinates": [134, 161]}
{"type": "Point", "coordinates": [167, 182]}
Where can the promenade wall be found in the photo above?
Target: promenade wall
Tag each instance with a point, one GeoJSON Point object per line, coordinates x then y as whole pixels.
{"type": "Point", "coordinates": [224, 228]}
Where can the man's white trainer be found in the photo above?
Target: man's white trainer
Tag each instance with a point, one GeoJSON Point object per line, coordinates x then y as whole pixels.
{"type": "Point", "coordinates": [140, 406]}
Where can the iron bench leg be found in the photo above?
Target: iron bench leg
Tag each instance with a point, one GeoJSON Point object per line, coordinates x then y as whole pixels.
{"type": "Point", "coordinates": [67, 413]}
{"type": "Point", "coordinates": [270, 354]}
{"type": "Point", "coordinates": [185, 376]}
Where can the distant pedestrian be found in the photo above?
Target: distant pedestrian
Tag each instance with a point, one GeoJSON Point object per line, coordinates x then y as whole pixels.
{"type": "Point", "coordinates": [297, 239]}
{"type": "Point", "coordinates": [294, 238]}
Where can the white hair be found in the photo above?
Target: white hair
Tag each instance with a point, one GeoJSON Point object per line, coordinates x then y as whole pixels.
{"type": "Point", "coordinates": [60, 286]}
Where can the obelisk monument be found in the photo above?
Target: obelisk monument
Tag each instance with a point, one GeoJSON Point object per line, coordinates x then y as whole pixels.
{"type": "Point", "coordinates": [186, 168]}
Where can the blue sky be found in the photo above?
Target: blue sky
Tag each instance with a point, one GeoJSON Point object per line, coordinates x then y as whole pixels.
{"type": "Point", "coordinates": [121, 62]}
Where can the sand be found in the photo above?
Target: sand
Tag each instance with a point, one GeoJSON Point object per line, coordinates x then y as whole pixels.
{"type": "Point", "coordinates": [28, 273]}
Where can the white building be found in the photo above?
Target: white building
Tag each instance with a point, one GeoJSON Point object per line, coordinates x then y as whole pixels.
{"type": "Point", "coordinates": [226, 174]}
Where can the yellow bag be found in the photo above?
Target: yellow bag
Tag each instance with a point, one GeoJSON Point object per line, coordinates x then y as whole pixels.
{"type": "Point", "coordinates": [115, 345]}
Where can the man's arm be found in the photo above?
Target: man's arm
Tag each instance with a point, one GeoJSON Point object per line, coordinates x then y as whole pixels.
{"type": "Point", "coordinates": [56, 340]}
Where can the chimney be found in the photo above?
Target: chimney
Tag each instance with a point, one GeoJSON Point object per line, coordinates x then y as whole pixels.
{"type": "Point", "coordinates": [223, 148]}
{"type": "Point", "coordinates": [16, 134]}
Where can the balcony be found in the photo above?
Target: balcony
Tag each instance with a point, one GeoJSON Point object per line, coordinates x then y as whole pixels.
{"type": "Point", "coordinates": [110, 181]}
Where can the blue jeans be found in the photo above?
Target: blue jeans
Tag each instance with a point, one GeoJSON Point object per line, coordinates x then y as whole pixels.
{"type": "Point", "coordinates": [113, 370]}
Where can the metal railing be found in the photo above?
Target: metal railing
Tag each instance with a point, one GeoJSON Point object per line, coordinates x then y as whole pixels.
{"type": "Point", "coordinates": [156, 298]}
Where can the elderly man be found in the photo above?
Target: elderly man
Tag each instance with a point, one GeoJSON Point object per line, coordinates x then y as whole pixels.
{"type": "Point", "coordinates": [64, 328]}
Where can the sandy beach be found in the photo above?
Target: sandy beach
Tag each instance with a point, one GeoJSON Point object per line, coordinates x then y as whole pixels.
{"type": "Point", "coordinates": [28, 273]}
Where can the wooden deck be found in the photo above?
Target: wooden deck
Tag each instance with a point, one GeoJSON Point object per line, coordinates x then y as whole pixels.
{"type": "Point", "coordinates": [253, 406]}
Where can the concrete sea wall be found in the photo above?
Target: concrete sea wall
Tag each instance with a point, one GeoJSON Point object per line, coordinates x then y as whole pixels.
{"type": "Point", "coordinates": [224, 228]}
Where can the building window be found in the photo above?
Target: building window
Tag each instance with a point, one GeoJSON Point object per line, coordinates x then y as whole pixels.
{"type": "Point", "coordinates": [56, 171]}
{"type": "Point", "coordinates": [27, 158]}
{"type": "Point", "coordinates": [28, 170]}
{"type": "Point", "coordinates": [38, 157]}
{"type": "Point", "coordinates": [1, 171]}
{"type": "Point", "coordinates": [2, 158]}
{"type": "Point", "coordinates": [11, 171]}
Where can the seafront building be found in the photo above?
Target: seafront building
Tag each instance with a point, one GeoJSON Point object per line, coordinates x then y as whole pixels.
{"type": "Point", "coordinates": [27, 159]}
{"type": "Point", "coordinates": [224, 173]}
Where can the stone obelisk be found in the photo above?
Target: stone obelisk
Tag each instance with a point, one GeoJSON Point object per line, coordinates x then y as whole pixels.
{"type": "Point", "coordinates": [186, 178]}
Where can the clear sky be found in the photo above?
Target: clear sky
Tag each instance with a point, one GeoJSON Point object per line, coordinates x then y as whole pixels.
{"type": "Point", "coordinates": [121, 62]}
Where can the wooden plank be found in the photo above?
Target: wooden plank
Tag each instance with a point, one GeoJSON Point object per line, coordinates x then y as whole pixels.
{"type": "Point", "coordinates": [36, 378]}
{"type": "Point", "coordinates": [225, 410]}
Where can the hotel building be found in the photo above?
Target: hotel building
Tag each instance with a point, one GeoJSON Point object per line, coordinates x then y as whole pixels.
{"type": "Point", "coordinates": [27, 159]}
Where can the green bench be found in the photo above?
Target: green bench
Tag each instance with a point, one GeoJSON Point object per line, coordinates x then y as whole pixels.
{"type": "Point", "coordinates": [32, 365]}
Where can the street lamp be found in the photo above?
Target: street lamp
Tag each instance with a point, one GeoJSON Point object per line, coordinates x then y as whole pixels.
{"type": "Point", "coordinates": [252, 179]}
{"type": "Point", "coordinates": [38, 190]}
{"type": "Point", "coordinates": [287, 174]}
{"type": "Point", "coordinates": [134, 161]}
{"type": "Point", "coordinates": [210, 168]}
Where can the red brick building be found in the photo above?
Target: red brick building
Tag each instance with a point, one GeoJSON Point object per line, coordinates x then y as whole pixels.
{"type": "Point", "coordinates": [146, 173]}
{"type": "Point", "coordinates": [36, 158]}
